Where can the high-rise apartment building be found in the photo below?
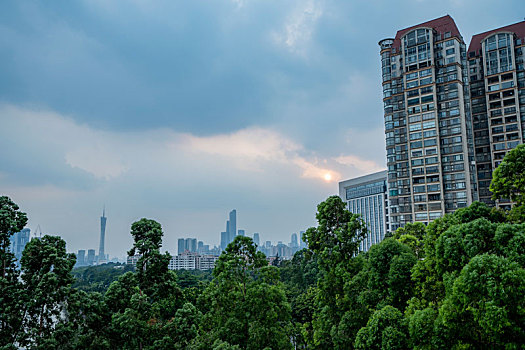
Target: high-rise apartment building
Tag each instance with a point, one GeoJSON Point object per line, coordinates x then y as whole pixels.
{"type": "Point", "coordinates": [428, 126]}
{"type": "Point", "coordinates": [367, 196]}
{"type": "Point", "coordinates": [497, 89]}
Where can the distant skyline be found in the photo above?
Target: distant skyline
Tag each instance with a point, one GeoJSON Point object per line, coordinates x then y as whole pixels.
{"type": "Point", "coordinates": [180, 111]}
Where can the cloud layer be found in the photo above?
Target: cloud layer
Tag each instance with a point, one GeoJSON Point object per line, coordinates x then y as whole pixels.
{"type": "Point", "coordinates": [183, 110]}
{"type": "Point", "coordinates": [165, 168]}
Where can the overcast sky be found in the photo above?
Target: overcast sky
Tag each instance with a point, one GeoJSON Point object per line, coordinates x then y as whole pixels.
{"type": "Point", "coordinates": [180, 111]}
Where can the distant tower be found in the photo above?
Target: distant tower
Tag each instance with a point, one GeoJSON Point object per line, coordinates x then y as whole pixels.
{"type": "Point", "coordinates": [241, 233]}
{"type": "Point", "coordinates": [233, 225]}
{"type": "Point", "coordinates": [224, 240]}
{"type": "Point", "coordinates": [81, 258]}
{"type": "Point", "coordinates": [256, 238]}
{"type": "Point", "coordinates": [302, 244]}
{"type": "Point", "coordinates": [181, 246]}
{"type": "Point", "coordinates": [101, 253]}
{"type": "Point", "coordinates": [91, 257]}
{"type": "Point", "coordinates": [293, 242]}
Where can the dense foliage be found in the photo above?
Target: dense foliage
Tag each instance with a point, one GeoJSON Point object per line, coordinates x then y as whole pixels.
{"type": "Point", "coordinates": [457, 283]}
{"type": "Point", "coordinates": [99, 277]}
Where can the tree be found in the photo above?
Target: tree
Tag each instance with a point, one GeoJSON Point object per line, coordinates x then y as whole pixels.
{"type": "Point", "coordinates": [421, 328]}
{"type": "Point", "coordinates": [300, 276]}
{"type": "Point", "coordinates": [412, 235]}
{"type": "Point", "coordinates": [456, 246]}
{"type": "Point", "coordinates": [428, 272]}
{"type": "Point", "coordinates": [153, 276]}
{"type": "Point", "coordinates": [145, 303]}
{"type": "Point", "coordinates": [46, 274]}
{"type": "Point", "coordinates": [98, 278]}
{"type": "Point", "coordinates": [12, 220]}
{"type": "Point", "coordinates": [508, 180]}
{"type": "Point", "coordinates": [486, 308]}
{"type": "Point", "coordinates": [245, 302]}
{"type": "Point", "coordinates": [386, 330]}
{"type": "Point", "coordinates": [334, 242]}
{"type": "Point", "coordinates": [389, 274]}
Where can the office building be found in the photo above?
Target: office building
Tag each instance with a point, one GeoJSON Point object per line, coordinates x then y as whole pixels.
{"type": "Point", "coordinates": [302, 243]}
{"type": "Point", "coordinates": [101, 250]}
{"type": "Point", "coordinates": [241, 233]}
{"type": "Point", "coordinates": [224, 240]}
{"type": "Point", "coordinates": [256, 239]}
{"type": "Point", "coordinates": [181, 246]}
{"type": "Point", "coordinates": [293, 241]}
{"type": "Point", "coordinates": [90, 257]}
{"type": "Point", "coordinates": [497, 89]}
{"type": "Point", "coordinates": [190, 245]}
{"type": "Point", "coordinates": [232, 226]}
{"type": "Point", "coordinates": [428, 126]}
{"type": "Point", "coordinates": [81, 258]}
{"type": "Point", "coordinates": [18, 242]}
{"type": "Point", "coordinates": [367, 195]}
{"type": "Point", "coordinates": [231, 230]}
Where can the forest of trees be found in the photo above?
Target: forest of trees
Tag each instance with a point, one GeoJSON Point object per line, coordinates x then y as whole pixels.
{"type": "Point", "coordinates": [458, 283]}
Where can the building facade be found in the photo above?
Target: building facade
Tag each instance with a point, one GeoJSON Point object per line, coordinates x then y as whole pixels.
{"type": "Point", "coordinates": [91, 257]}
{"type": "Point", "coordinates": [497, 89]}
{"type": "Point", "coordinates": [18, 242]}
{"type": "Point", "coordinates": [428, 124]}
{"type": "Point", "coordinates": [81, 257]}
{"type": "Point", "coordinates": [181, 245]}
{"type": "Point", "coordinates": [367, 195]}
{"type": "Point", "coordinates": [185, 261]}
{"type": "Point", "coordinates": [231, 226]}
{"type": "Point", "coordinates": [256, 239]}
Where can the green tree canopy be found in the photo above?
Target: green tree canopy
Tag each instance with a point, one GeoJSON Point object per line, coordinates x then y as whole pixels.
{"type": "Point", "coordinates": [486, 308]}
{"type": "Point", "coordinates": [386, 330]}
{"type": "Point", "coordinates": [508, 180]}
{"type": "Point", "coordinates": [246, 304]}
{"type": "Point", "coordinates": [335, 243]}
{"type": "Point", "coordinates": [12, 220]}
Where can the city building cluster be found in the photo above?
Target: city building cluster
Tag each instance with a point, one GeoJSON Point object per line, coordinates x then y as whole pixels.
{"type": "Point", "coordinates": [92, 258]}
{"type": "Point", "coordinates": [451, 113]}
{"type": "Point", "coordinates": [195, 255]}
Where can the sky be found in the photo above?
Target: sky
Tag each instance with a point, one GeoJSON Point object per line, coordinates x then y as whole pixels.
{"type": "Point", "coordinates": [180, 111]}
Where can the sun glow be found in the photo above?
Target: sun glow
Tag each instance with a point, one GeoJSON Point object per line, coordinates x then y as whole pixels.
{"type": "Point", "coordinates": [327, 177]}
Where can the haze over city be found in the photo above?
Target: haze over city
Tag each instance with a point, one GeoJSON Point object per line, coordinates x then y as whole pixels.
{"type": "Point", "coordinates": [181, 112]}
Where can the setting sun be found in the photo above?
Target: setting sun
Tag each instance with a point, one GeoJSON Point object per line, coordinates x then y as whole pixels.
{"type": "Point", "coordinates": [327, 177]}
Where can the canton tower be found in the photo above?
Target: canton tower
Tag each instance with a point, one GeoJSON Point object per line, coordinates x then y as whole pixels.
{"type": "Point", "coordinates": [101, 253]}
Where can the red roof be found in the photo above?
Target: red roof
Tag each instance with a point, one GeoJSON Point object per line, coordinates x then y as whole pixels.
{"type": "Point", "coordinates": [517, 28]}
{"type": "Point", "coordinates": [440, 25]}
